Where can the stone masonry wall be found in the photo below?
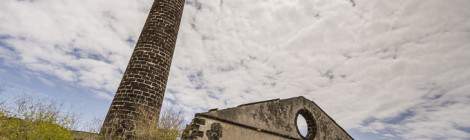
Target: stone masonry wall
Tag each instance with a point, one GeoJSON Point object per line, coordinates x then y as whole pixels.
{"type": "Point", "coordinates": [265, 120]}
{"type": "Point", "coordinates": [140, 94]}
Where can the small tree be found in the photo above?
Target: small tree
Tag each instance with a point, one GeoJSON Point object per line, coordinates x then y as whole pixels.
{"type": "Point", "coordinates": [171, 118]}
{"type": "Point", "coordinates": [170, 124]}
{"type": "Point", "coordinates": [168, 127]}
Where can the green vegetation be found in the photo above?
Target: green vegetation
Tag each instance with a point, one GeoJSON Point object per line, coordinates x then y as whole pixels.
{"type": "Point", "coordinates": [17, 129]}
{"type": "Point", "coordinates": [167, 134]}
{"type": "Point", "coordinates": [159, 134]}
{"type": "Point", "coordinates": [28, 119]}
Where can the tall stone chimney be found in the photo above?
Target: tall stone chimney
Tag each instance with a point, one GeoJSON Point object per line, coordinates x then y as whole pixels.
{"type": "Point", "coordinates": [138, 100]}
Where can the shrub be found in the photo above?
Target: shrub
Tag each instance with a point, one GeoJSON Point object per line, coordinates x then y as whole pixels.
{"type": "Point", "coordinates": [28, 119]}
{"type": "Point", "coordinates": [17, 129]}
{"type": "Point", "coordinates": [167, 128]}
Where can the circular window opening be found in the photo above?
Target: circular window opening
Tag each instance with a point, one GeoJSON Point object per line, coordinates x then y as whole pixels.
{"type": "Point", "coordinates": [302, 125]}
{"type": "Point", "coordinates": [305, 124]}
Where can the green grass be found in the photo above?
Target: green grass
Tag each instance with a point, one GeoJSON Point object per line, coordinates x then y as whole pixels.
{"type": "Point", "coordinates": [17, 129]}
{"type": "Point", "coordinates": [29, 119]}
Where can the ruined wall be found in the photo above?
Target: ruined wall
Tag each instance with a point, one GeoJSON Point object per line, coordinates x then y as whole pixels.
{"type": "Point", "coordinates": [234, 132]}
{"type": "Point", "coordinates": [274, 119]}
{"type": "Point", "coordinates": [140, 94]}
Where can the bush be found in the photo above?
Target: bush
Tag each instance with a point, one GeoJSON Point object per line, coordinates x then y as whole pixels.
{"type": "Point", "coordinates": [17, 129]}
{"type": "Point", "coordinates": [167, 128]}
{"type": "Point", "coordinates": [28, 119]}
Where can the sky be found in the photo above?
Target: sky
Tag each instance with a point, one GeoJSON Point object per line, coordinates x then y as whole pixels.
{"type": "Point", "coordinates": [384, 70]}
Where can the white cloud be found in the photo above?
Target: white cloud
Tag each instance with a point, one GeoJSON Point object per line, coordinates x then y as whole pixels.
{"type": "Point", "coordinates": [370, 64]}
{"type": "Point", "coordinates": [77, 41]}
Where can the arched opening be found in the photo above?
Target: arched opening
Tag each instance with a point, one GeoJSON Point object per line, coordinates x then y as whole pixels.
{"type": "Point", "coordinates": [305, 123]}
{"type": "Point", "coordinates": [302, 125]}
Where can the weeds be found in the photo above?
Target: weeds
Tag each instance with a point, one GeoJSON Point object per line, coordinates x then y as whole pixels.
{"type": "Point", "coordinates": [26, 118]}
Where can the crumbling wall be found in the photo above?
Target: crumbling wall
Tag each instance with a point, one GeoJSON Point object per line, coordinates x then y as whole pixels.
{"type": "Point", "coordinates": [274, 119]}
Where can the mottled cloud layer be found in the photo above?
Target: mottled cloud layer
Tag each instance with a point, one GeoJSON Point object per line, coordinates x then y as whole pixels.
{"type": "Point", "coordinates": [397, 69]}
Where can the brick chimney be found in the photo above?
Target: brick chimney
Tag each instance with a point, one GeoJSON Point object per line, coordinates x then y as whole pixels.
{"type": "Point", "coordinates": [138, 100]}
